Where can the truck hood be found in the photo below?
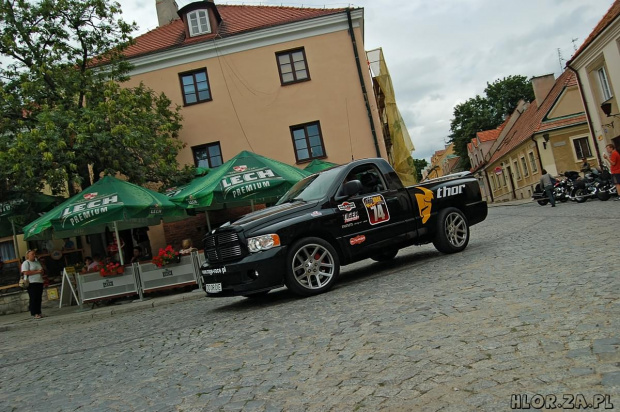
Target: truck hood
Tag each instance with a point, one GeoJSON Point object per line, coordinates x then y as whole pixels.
{"type": "Point", "coordinates": [273, 213]}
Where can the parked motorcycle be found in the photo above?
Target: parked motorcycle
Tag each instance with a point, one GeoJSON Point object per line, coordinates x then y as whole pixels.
{"type": "Point", "coordinates": [560, 193]}
{"type": "Point", "coordinates": [605, 188]}
{"type": "Point", "coordinates": [596, 183]}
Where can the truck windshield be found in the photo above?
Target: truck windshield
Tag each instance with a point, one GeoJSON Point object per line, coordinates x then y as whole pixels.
{"type": "Point", "coordinates": [313, 187]}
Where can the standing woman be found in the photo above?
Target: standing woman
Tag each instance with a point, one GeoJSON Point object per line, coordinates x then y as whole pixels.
{"type": "Point", "coordinates": [34, 271]}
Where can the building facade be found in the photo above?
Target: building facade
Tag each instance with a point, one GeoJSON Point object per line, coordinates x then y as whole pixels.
{"type": "Point", "coordinates": [551, 133]}
{"type": "Point", "coordinates": [597, 64]}
{"type": "Point", "coordinates": [283, 82]}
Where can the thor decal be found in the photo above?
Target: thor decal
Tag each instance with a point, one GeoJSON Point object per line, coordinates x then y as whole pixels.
{"type": "Point", "coordinates": [377, 209]}
{"type": "Point", "coordinates": [425, 203]}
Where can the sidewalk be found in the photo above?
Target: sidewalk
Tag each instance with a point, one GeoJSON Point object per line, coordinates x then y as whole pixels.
{"type": "Point", "coordinates": [512, 203]}
{"type": "Point", "coordinates": [54, 314]}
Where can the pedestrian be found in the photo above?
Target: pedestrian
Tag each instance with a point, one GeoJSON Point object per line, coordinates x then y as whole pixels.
{"type": "Point", "coordinates": [34, 271]}
{"type": "Point", "coordinates": [614, 161]}
{"type": "Point", "coordinates": [546, 182]}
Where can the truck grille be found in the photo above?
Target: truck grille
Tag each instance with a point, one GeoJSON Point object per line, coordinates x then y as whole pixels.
{"type": "Point", "coordinates": [223, 246]}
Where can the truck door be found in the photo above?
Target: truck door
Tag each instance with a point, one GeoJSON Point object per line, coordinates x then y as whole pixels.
{"type": "Point", "coordinates": [375, 217]}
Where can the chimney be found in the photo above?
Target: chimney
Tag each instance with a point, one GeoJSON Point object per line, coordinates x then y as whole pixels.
{"type": "Point", "coordinates": [166, 11]}
{"type": "Point", "coordinates": [542, 86]}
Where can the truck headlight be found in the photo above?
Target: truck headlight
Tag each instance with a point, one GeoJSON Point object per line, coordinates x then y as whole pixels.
{"type": "Point", "coordinates": [264, 242]}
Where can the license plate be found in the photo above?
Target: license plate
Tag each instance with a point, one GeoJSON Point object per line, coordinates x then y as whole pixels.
{"type": "Point", "coordinates": [213, 287]}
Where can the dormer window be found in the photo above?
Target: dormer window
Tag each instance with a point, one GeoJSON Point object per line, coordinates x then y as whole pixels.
{"type": "Point", "coordinates": [198, 22]}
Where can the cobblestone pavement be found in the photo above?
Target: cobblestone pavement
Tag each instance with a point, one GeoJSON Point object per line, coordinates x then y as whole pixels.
{"type": "Point", "coordinates": [530, 307]}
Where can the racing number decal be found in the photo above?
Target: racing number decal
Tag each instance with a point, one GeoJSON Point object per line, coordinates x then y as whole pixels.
{"type": "Point", "coordinates": [377, 209]}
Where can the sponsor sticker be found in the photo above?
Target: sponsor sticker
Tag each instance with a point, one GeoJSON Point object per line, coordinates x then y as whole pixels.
{"type": "Point", "coordinates": [214, 271]}
{"type": "Point", "coordinates": [377, 209]}
{"type": "Point", "coordinates": [357, 240]}
{"type": "Point", "coordinates": [346, 206]}
{"type": "Point", "coordinates": [351, 217]}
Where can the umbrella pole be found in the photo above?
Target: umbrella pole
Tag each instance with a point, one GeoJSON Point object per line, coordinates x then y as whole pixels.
{"type": "Point", "coordinates": [208, 221]}
{"type": "Point", "coordinates": [15, 244]}
{"type": "Point", "coordinates": [118, 244]}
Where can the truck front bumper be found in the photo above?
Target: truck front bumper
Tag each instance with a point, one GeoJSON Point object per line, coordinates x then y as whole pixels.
{"type": "Point", "coordinates": [254, 273]}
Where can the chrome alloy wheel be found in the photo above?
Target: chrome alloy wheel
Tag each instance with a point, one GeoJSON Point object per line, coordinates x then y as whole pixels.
{"type": "Point", "coordinates": [456, 229]}
{"type": "Point", "coordinates": [313, 266]}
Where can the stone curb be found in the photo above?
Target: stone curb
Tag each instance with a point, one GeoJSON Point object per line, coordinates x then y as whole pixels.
{"type": "Point", "coordinates": [74, 313]}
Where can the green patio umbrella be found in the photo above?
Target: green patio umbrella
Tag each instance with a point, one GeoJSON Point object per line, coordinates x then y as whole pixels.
{"type": "Point", "coordinates": [317, 165]}
{"type": "Point", "coordinates": [110, 203]}
{"type": "Point", "coordinates": [245, 179]}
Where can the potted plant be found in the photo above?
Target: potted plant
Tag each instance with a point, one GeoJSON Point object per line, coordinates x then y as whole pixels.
{"type": "Point", "coordinates": [111, 269]}
{"type": "Point", "coordinates": [166, 256]}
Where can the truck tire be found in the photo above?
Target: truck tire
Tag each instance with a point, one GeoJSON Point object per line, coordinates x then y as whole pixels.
{"type": "Point", "coordinates": [385, 256]}
{"type": "Point", "coordinates": [312, 266]}
{"type": "Point", "coordinates": [452, 231]}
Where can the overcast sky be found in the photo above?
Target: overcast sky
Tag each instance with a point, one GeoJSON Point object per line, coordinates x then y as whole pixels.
{"type": "Point", "coordinates": [441, 53]}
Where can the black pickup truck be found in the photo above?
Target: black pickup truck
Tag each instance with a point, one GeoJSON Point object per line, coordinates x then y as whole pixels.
{"type": "Point", "coordinates": [342, 215]}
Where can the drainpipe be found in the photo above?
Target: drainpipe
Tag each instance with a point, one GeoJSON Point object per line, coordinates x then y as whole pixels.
{"type": "Point", "coordinates": [585, 106]}
{"type": "Point", "coordinates": [361, 77]}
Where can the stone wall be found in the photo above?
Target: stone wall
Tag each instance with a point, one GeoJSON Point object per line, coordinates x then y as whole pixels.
{"type": "Point", "coordinates": [17, 302]}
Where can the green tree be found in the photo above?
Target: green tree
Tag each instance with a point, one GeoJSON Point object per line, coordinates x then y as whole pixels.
{"type": "Point", "coordinates": [65, 116]}
{"type": "Point", "coordinates": [487, 112]}
{"type": "Point", "coordinates": [419, 164]}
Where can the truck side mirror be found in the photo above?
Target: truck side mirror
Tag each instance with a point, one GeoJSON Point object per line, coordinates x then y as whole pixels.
{"type": "Point", "coordinates": [352, 188]}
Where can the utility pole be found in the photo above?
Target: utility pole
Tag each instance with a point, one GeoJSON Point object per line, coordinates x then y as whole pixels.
{"type": "Point", "coordinates": [575, 43]}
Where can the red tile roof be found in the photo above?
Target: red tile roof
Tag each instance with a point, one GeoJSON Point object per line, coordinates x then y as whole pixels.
{"type": "Point", "coordinates": [608, 18]}
{"type": "Point", "coordinates": [235, 20]}
{"type": "Point", "coordinates": [532, 120]}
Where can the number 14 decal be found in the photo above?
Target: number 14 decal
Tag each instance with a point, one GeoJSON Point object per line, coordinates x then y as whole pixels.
{"type": "Point", "coordinates": [377, 209]}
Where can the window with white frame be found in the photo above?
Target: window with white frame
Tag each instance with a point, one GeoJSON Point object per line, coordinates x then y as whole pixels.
{"type": "Point", "coordinates": [582, 148]}
{"type": "Point", "coordinates": [533, 162]}
{"type": "Point", "coordinates": [526, 172]}
{"type": "Point", "coordinates": [517, 171]}
{"type": "Point", "coordinates": [198, 22]}
{"type": "Point", "coordinates": [604, 83]}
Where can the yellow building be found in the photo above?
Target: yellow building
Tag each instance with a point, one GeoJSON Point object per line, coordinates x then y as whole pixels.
{"type": "Point", "coordinates": [549, 133]}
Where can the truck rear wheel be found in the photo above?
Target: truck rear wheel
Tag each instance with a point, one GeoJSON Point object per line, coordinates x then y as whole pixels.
{"type": "Point", "coordinates": [312, 267]}
{"type": "Point", "coordinates": [452, 231]}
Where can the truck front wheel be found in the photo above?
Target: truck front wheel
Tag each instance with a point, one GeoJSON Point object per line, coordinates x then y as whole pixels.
{"type": "Point", "coordinates": [312, 267]}
{"type": "Point", "coordinates": [452, 231]}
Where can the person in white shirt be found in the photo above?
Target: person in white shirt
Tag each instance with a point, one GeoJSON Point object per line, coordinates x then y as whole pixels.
{"type": "Point", "coordinates": [32, 269]}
